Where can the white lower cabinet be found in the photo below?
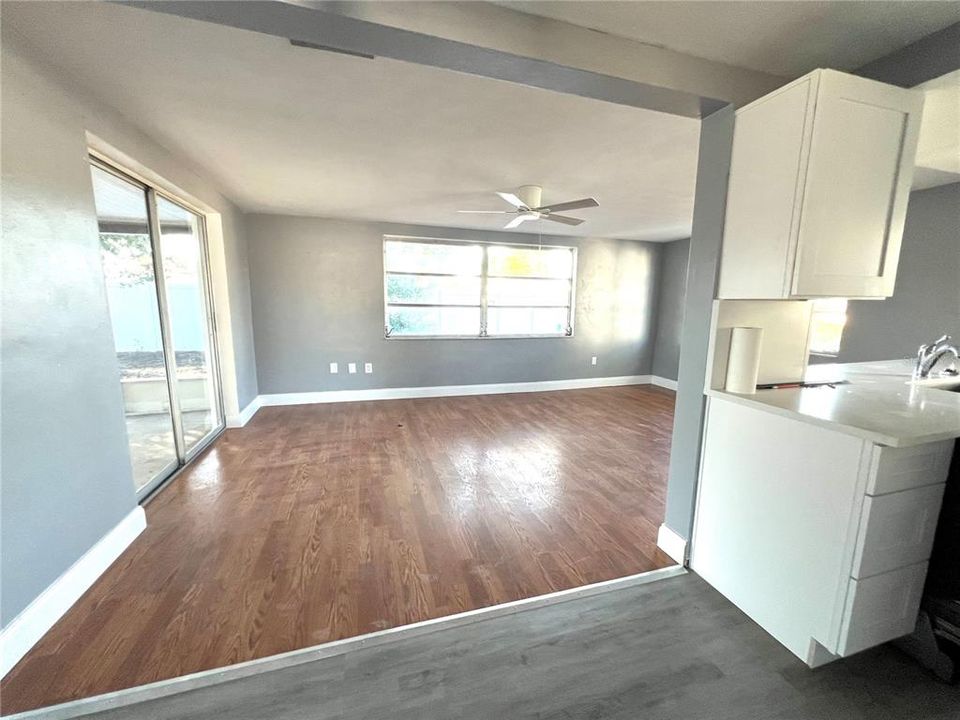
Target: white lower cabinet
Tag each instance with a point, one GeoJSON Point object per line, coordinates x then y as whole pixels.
{"type": "Point", "coordinates": [896, 530]}
{"type": "Point", "coordinates": [821, 537]}
{"type": "Point", "coordinates": [893, 469]}
{"type": "Point", "coordinates": [880, 608]}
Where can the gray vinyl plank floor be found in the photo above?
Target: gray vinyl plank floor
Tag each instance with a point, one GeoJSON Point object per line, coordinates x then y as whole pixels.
{"type": "Point", "coordinates": [669, 649]}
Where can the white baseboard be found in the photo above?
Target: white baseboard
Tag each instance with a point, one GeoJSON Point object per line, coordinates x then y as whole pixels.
{"type": "Point", "coordinates": [32, 623]}
{"type": "Point", "coordinates": [334, 396]}
{"type": "Point", "coordinates": [243, 417]}
{"type": "Point", "coordinates": [663, 382]}
{"type": "Point", "coordinates": [672, 544]}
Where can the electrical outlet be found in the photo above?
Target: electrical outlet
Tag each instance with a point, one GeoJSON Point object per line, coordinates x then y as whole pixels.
{"type": "Point", "coordinates": [334, 368]}
{"type": "Point", "coordinates": [352, 368]}
{"type": "Point", "coordinates": [593, 360]}
{"type": "Point", "coordinates": [368, 368]}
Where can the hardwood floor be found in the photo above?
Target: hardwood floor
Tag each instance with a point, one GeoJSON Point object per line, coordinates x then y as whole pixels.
{"type": "Point", "coordinates": [321, 522]}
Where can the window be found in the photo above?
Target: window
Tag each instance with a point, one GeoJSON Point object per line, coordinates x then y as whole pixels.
{"type": "Point", "coordinates": [446, 288]}
{"type": "Point", "coordinates": [826, 325]}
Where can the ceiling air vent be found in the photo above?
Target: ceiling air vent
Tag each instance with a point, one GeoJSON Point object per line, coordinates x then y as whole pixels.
{"type": "Point", "coordinates": [327, 48]}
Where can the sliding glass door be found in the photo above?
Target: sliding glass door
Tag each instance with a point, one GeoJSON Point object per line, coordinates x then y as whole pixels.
{"type": "Point", "coordinates": [154, 260]}
{"type": "Point", "coordinates": [191, 333]}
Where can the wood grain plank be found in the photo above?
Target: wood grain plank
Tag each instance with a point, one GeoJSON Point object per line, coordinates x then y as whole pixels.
{"type": "Point", "coordinates": [316, 523]}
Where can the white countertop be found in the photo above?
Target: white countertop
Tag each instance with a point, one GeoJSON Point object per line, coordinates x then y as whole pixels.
{"type": "Point", "coordinates": [880, 403]}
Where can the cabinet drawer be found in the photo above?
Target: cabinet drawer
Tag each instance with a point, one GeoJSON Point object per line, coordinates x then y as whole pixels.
{"type": "Point", "coordinates": [894, 469]}
{"type": "Point", "coordinates": [881, 608]}
{"type": "Point", "coordinates": [896, 530]}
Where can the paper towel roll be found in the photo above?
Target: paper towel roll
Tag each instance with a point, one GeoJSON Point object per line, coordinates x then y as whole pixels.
{"type": "Point", "coordinates": [743, 363]}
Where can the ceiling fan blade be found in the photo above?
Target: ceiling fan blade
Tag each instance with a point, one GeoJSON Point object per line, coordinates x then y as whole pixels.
{"type": "Point", "coordinates": [512, 199]}
{"type": "Point", "coordinates": [571, 205]}
{"type": "Point", "coordinates": [515, 222]}
{"type": "Point", "coordinates": [564, 219]}
{"type": "Point", "coordinates": [487, 212]}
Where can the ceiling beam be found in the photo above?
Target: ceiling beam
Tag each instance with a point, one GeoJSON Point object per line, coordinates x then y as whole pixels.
{"type": "Point", "coordinates": [463, 38]}
{"type": "Point", "coordinates": [513, 31]}
{"type": "Point", "coordinates": [928, 58]}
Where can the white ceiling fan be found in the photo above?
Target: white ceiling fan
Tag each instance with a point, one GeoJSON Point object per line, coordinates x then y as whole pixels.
{"type": "Point", "coordinates": [526, 206]}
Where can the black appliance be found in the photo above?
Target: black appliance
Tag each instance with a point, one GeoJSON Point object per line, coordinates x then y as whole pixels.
{"type": "Point", "coordinates": [936, 641]}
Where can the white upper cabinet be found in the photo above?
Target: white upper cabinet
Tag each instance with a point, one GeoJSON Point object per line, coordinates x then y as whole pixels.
{"type": "Point", "coordinates": [819, 181]}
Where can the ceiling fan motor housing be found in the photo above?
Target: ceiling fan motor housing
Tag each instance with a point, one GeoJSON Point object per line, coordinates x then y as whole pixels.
{"type": "Point", "coordinates": [530, 195]}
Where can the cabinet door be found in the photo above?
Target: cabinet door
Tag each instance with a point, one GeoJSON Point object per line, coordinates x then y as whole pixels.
{"type": "Point", "coordinates": [881, 608]}
{"type": "Point", "coordinates": [857, 185]}
{"type": "Point", "coordinates": [767, 170]}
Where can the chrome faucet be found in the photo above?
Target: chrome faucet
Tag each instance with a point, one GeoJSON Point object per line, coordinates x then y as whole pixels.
{"type": "Point", "coordinates": [928, 355]}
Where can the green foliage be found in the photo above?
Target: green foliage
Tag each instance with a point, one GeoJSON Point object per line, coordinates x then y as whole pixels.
{"type": "Point", "coordinates": [127, 258]}
{"type": "Point", "coordinates": [404, 322]}
{"type": "Point", "coordinates": [403, 289]}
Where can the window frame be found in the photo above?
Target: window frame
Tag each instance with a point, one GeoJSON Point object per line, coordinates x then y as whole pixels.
{"type": "Point", "coordinates": [816, 315]}
{"type": "Point", "coordinates": [484, 277]}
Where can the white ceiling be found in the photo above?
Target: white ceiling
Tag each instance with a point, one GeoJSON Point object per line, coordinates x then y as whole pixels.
{"type": "Point", "coordinates": [782, 38]}
{"type": "Point", "coordinates": [300, 131]}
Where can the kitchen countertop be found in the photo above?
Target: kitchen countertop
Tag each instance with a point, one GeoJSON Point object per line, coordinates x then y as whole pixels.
{"type": "Point", "coordinates": [880, 403]}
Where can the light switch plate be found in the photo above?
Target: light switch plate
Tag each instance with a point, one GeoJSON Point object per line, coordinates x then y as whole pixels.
{"type": "Point", "coordinates": [593, 360]}
{"type": "Point", "coordinates": [368, 368]}
{"type": "Point", "coordinates": [351, 368]}
{"type": "Point", "coordinates": [334, 369]}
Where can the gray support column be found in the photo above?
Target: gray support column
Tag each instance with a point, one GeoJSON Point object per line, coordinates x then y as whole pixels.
{"type": "Point", "coordinates": [716, 142]}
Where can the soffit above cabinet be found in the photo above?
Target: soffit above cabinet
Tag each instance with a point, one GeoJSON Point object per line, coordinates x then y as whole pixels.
{"type": "Point", "coordinates": [938, 150]}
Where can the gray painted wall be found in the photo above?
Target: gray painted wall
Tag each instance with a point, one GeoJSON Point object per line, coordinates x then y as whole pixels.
{"type": "Point", "coordinates": [673, 288]}
{"type": "Point", "coordinates": [241, 311]}
{"type": "Point", "coordinates": [926, 299]}
{"type": "Point", "coordinates": [318, 298]}
{"type": "Point", "coordinates": [88, 114]}
{"type": "Point", "coordinates": [66, 469]}
{"type": "Point", "coordinates": [710, 202]}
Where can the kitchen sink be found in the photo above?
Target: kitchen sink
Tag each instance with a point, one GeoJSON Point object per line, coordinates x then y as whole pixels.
{"type": "Point", "coordinates": [948, 383]}
{"type": "Point", "coordinates": [953, 385]}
